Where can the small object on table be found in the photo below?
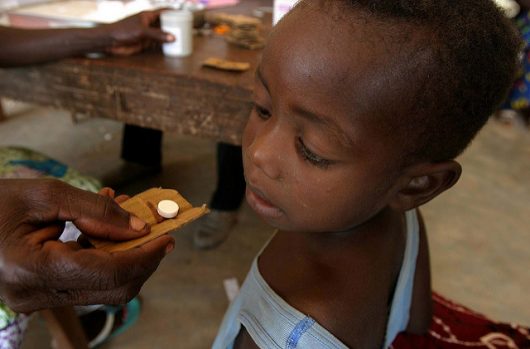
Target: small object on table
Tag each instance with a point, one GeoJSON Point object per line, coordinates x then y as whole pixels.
{"type": "Point", "coordinates": [179, 24]}
{"type": "Point", "coordinates": [251, 40]}
{"type": "Point", "coordinates": [233, 20]}
{"type": "Point", "coordinates": [244, 31]}
{"type": "Point", "coordinates": [141, 205]}
{"type": "Point", "coordinates": [222, 64]}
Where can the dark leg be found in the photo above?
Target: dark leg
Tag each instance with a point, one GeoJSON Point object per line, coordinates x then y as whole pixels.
{"type": "Point", "coordinates": [227, 198]}
{"type": "Point", "coordinates": [142, 145]}
{"type": "Point", "coordinates": [230, 189]}
{"type": "Point", "coordinates": [141, 149]}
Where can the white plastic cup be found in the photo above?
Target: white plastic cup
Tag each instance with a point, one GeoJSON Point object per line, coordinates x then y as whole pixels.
{"type": "Point", "coordinates": [180, 25]}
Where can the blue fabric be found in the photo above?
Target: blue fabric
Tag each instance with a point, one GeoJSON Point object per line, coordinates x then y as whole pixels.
{"type": "Point", "coordinates": [47, 167]}
{"type": "Point", "coordinates": [17, 162]}
{"type": "Point", "coordinates": [298, 332]}
{"type": "Point", "coordinates": [401, 302]}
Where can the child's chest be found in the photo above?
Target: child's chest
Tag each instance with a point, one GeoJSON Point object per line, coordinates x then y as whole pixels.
{"type": "Point", "coordinates": [347, 291]}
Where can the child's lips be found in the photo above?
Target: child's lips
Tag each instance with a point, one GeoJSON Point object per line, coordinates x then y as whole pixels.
{"type": "Point", "coordinates": [261, 204]}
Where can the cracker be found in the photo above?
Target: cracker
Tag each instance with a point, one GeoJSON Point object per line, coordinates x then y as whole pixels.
{"type": "Point", "coordinates": [141, 206]}
{"type": "Point", "coordinates": [222, 64]}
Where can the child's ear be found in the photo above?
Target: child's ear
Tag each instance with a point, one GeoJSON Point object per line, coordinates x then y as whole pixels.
{"type": "Point", "coordinates": [424, 182]}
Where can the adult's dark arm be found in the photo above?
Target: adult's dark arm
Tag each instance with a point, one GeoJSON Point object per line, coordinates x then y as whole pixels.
{"type": "Point", "coordinates": [29, 46]}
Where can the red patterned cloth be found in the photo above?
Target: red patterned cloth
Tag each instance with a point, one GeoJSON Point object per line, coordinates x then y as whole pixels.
{"type": "Point", "coordinates": [455, 327]}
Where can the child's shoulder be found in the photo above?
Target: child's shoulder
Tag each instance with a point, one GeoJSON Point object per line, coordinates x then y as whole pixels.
{"type": "Point", "coordinates": [345, 285]}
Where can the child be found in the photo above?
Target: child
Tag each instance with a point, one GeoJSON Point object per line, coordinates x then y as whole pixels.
{"type": "Point", "coordinates": [360, 108]}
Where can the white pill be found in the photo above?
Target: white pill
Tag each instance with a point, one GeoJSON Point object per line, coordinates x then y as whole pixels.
{"type": "Point", "coordinates": [168, 208]}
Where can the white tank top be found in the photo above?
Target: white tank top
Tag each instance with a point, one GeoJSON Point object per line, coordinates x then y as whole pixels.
{"type": "Point", "coordinates": [274, 324]}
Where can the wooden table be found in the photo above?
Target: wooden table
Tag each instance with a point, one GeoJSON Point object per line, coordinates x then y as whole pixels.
{"type": "Point", "coordinates": [150, 90]}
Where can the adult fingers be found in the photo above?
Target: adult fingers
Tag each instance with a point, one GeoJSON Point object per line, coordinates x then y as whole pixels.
{"type": "Point", "coordinates": [106, 191]}
{"type": "Point", "coordinates": [158, 35]}
{"type": "Point", "coordinates": [28, 302]}
{"type": "Point", "coordinates": [40, 236]}
{"type": "Point", "coordinates": [92, 269]}
{"type": "Point", "coordinates": [150, 17]}
{"type": "Point", "coordinates": [58, 274]}
{"type": "Point", "coordinates": [121, 198]}
{"type": "Point", "coordinates": [95, 215]}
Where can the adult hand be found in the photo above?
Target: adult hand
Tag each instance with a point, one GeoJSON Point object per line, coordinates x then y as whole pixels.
{"type": "Point", "coordinates": [37, 271]}
{"type": "Point", "coordinates": [133, 34]}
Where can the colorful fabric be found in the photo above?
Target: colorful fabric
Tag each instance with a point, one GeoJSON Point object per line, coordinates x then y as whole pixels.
{"type": "Point", "coordinates": [11, 335]}
{"type": "Point", "coordinates": [16, 162]}
{"type": "Point", "coordinates": [456, 327]}
{"type": "Point", "coordinates": [519, 96]}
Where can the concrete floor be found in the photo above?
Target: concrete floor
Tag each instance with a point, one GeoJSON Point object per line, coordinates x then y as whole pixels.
{"type": "Point", "coordinates": [479, 232]}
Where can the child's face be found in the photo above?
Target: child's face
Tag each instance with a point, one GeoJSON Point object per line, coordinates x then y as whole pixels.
{"type": "Point", "coordinates": [314, 154]}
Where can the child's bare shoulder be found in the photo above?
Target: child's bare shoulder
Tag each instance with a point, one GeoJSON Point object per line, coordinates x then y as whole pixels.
{"type": "Point", "coordinates": [346, 288]}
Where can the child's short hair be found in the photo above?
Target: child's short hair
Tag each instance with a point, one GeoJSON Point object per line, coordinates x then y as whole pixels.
{"type": "Point", "coordinates": [473, 58]}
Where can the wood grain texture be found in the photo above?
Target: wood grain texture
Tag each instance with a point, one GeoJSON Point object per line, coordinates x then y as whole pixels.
{"type": "Point", "coordinates": [139, 206]}
{"type": "Point", "coordinates": [149, 90]}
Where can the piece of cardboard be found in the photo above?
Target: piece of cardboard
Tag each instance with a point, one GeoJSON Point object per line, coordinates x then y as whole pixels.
{"type": "Point", "coordinates": [223, 64]}
{"type": "Point", "coordinates": [143, 206]}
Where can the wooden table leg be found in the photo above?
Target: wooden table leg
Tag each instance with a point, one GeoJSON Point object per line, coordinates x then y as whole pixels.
{"type": "Point", "coordinates": [65, 328]}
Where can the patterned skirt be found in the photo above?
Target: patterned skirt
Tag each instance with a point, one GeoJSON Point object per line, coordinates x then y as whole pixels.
{"type": "Point", "coordinates": [454, 326]}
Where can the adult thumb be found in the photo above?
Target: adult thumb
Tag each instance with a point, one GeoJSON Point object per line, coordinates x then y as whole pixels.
{"type": "Point", "coordinates": [95, 215]}
{"type": "Point", "coordinates": [158, 35]}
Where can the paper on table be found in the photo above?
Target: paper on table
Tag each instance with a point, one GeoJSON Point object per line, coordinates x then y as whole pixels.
{"type": "Point", "coordinates": [222, 64]}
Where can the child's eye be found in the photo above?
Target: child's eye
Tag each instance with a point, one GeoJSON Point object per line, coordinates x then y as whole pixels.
{"type": "Point", "coordinates": [262, 112]}
{"type": "Point", "coordinates": [308, 155]}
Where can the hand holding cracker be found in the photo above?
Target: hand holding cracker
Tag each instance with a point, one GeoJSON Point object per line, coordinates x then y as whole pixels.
{"type": "Point", "coordinates": [145, 206]}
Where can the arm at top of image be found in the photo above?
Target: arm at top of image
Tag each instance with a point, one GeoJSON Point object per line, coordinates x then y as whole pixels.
{"type": "Point", "coordinates": [20, 47]}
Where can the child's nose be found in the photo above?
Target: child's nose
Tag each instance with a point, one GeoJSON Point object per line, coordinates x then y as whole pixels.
{"type": "Point", "coordinates": [266, 151]}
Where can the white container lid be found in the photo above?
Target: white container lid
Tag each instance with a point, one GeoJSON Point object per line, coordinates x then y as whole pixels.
{"type": "Point", "coordinates": [173, 16]}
